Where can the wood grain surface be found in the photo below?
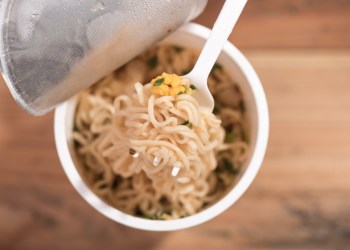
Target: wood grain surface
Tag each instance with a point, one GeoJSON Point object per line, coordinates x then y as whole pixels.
{"type": "Point", "coordinates": [300, 199]}
{"type": "Point", "coordinates": [288, 23]}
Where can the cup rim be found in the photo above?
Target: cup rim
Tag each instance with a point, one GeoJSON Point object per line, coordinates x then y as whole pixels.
{"type": "Point", "coordinates": [217, 208]}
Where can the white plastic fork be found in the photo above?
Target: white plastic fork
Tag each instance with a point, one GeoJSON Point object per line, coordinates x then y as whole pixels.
{"type": "Point", "coordinates": [223, 27]}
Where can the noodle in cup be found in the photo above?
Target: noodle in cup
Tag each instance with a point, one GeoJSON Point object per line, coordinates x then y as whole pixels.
{"type": "Point", "coordinates": [238, 68]}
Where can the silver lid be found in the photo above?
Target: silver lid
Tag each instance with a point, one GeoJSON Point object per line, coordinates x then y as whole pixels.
{"type": "Point", "coordinates": [50, 50]}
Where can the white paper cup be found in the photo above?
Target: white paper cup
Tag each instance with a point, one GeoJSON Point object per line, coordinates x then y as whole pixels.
{"type": "Point", "coordinates": [191, 35]}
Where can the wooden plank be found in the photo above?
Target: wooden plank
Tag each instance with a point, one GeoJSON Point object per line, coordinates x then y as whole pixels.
{"type": "Point", "coordinates": [298, 201]}
{"type": "Point", "coordinates": [288, 23]}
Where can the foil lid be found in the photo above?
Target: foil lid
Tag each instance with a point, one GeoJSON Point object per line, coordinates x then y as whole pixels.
{"type": "Point", "coordinates": [50, 50]}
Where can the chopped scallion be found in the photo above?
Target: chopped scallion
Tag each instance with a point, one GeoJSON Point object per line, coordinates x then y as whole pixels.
{"type": "Point", "coordinates": [187, 123]}
{"type": "Point", "coordinates": [230, 167]}
{"type": "Point", "coordinates": [158, 82]}
{"type": "Point", "coordinates": [178, 49]}
{"type": "Point", "coordinates": [217, 66]}
{"type": "Point", "coordinates": [230, 136]}
{"type": "Point", "coordinates": [185, 72]}
{"type": "Point", "coordinates": [152, 62]}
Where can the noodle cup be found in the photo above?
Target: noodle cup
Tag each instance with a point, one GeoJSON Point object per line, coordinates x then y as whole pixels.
{"type": "Point", "coordinates": [238, 67]}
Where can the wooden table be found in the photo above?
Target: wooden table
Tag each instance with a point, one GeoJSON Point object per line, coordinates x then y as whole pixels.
{"type": "Point", "coordinates": [300, 199]}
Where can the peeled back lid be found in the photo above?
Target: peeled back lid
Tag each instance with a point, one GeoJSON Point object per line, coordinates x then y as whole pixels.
{"type": "Point", "coordinates": [50, 50]}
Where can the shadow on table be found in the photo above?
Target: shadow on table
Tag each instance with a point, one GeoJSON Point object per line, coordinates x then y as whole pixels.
{"type": "Point", "coordinates": [138, 239]}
